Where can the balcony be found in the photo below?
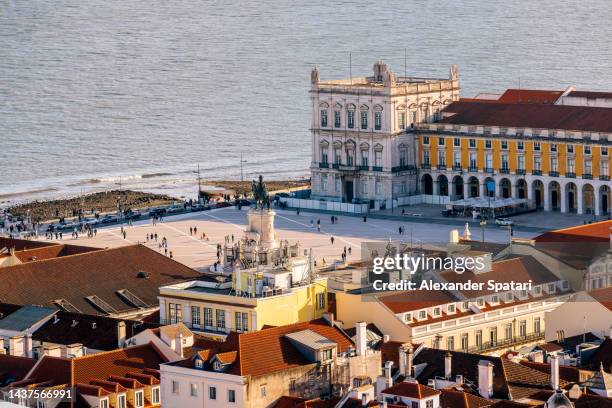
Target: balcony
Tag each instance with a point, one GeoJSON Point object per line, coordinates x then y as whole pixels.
{"type": "Point", "coordinates": [553, 173]}
{"type": "Point", "coordinates": [364, 168]}
{"type": "Point", "coordinates": [520, 172]}
{"type": "Point", "coordinates": [457, 167]}
{"type": "Point", "coordinates": [587, 176]}
{"type": "Point", "coordinates": [506, 343]}
{"type": "Point", "coordinates": [324, 165]}
{"type": "Point", "coordinates": [504, 170]}
{"type": "Point", "coordinates": [536, 172]}
{"type": "Point", "coordinates": [473, 168]}
{"type": "Point", "coordinates": [426, 166]}
{"type": "Point", "coordinates": [377, 168]}
{"type": "Point", "coordinates": [442, 167]}
{"type": "Point", "coordinates": [604, 177]}
{"type": "Point", "coordinates": [336, 166]}
{"type": "Point", "coordinates": [404, 167]}
{"type": "Point", "coordinates": [489, 170]}
{"type": "Point", "coordinates": [570, 175]}
{"type": "Point", "coordinates": [346, 168]}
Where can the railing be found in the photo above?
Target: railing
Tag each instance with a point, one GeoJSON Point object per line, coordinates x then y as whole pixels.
{"type": "Point", "coordinates": [426, 166]}
{"type": "Point", "coordinates": [364, 167]}
{"type": "Point", "coordinates": [489, 170]}
{"type": "Point", "coordinates": [346, 167]}
{"type": "Point", "coordinates": [570, 175]}
{"type": "Point", "coordinates": [201, 327]}
{"type": "Point", "coordinates": [504, 170]}
{"type": "Point", "coordinates": [553, 173]}
{"type": "Point", "coordinates": [377, 168]}
{"type": "Point", "coordinates": [520, 172]}
{"type": "Point", "coordinates": [456, 168]}
{"type": "Point", "coordinates": [473, 168]}
{"type": "Point", "coordinates": [324, 165]}
{"type": "Point", "coordinates": [442, 167]}
{"type": "Point", "coordinates": [404, 167]}
{"type": "Point", "coordinates": [536, 172]}
{"type": "Point", "coordinates": [604, 177]}
{"type": "Point", "coordinates": [587, 176]}
{"type": "Point", "coordinates": [513, 341]}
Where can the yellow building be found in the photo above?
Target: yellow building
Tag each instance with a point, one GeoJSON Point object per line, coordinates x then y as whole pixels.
{"type": "Point", "coordinates": [551, 153]}
{"type": "Point", "coordinates": [218, 308]}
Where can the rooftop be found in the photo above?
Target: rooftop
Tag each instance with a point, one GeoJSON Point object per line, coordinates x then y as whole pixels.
{"type": "Point", "coordinates": [530, 96]}
{"type": "Point", "coordinates": [25, 318]}
{"type": "Point", "coordinates": [412, 390]}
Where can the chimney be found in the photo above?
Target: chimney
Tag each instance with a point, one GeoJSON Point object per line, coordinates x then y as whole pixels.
{"type": "Point", "coordinates": [178, 345]}
{"type": "Point", "coordinates": [74, 350]}
{"type": "Point", "coordinates": [409, 358]}
{"type": "Point", "coordinates": [28, 345]}
{"type": "Point", "coordinates": [16, 346]}
{"type": "Point", "coordinates": [448, 358]}
{"type": "Point", "coordinates": [53, 351]}
{"type": "Point", "coordinates": [329, 318]}
{"type": "Point", "coordinates": [388, 369]}
{"type": "Point", "coordinates": [364, 400]}
{"type": "Point", "coordinates": [121, 334]}
{"type": "Point", "coordinates": [2, 351]}
{"type": "Point", "coordinates": [485, 378]}
{"type": "Point", "coordinates": [387, 338]}
{"type": "Point", "coordinates": [610, 333]}
{"type": "Point", "coordinates": [554, 372]}
{"type": "Point", "coordinates": [361, 338]}
{"type": "Point", "coordinates": [454, 236]}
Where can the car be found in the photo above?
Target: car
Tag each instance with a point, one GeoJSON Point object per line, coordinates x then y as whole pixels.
{"type": "Point", "coordinates": [50, 228]}
{"type": "Point", "coordinates": [132, 215]}
{"type": "Point", "coordinates": [223, 204]}
{"type": "Point", "coordinates": [176, 208]}
{"type": "Point", "coordinates": [447, 213]}
{"type": "Point", "coordinates": [504, 221]}
{"type": "Point", "coordinates": [197, 207]}
{"type": "Point", "coordinates": [109, 219]}
{"type": "Point", "coordinates": [243, 202]}
{"type": "Point", "coordinates": [157, 212]}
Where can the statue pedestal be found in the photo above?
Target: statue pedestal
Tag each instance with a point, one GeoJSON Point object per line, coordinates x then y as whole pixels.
{"type": "Point", "coordinates": [261, 227]}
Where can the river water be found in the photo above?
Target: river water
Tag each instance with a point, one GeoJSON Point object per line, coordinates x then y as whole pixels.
{"type": "Point", "coordinates": [95, 93]}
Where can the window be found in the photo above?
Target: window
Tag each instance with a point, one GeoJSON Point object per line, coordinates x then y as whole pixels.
{"type": "Point", "coordinates": [220, 315]}
{"type": "Point", "coordinates": [523, 294]}
{"type": "Point", "coordinates": [154, 395]}
{"type": "Point", "coordinates": [537, 290]}
{"type": "Point", "coordinates": [537, 163]}
{"type": "Point", "coordinates": [337, 121]}
{"type": "Point", "coordinates": [378, 158]}
{"type": "Point", "coordinates": [408, 317]}
{"type": "Point", "coordinates": [337, 183]}
{"type": "Point", "coordinates": [377, 120]}
{"type": "Point", "coordinates": [442, 158]}
{"type": "Point", "coordinates": [364, 157]}
{"type": "Point", "coordinates": [587, 149]}
{"type": "Point", "coordinates": [479, 338]}
{"type": "Point", "coordinates": [364, 119]}
{"type": "Point", "coordinates": [508, 330]}
{"type": "Point", "coordinates": [495, 299]}
{"type": "Point", "coordinates": [324, 182]}
{"type": "Point", "coordinates": [520, 146]}
{"type": "Point", "coordinates": [604, 151]}
{"type": "Point", "coordinates": [324, 157]}
{"type": "Point", "coordinates": [441, 141]}
{"type": "Point", "coordinates": [404, 187]}
{"type": "Point", "coordinates": [212, 392]}
{"type": "Point", "coordinates": [536, 146]}
{"type": "Point", "coordinates": [377, 187]}
{"type": "Point", "coordinates": [588, 167]}
{"type": "Point", "coordinates": [565, 285]}
{"type": "Point", "coordinates": [536, 325]}
{"type": "Point", "coordinates": [337, 155]}
{"type": "Point", "coordinates": [321, 301]}
{"type": "Point", "coordinates": [415, 404]}
{"type": "Point", "coordinates": [554, 164]}
{"type": "Point", "coordinates": [175, 312]}
{"type": "Point", "coordinates": [571, 165]}
{"type": "Point", "coordinates": [436, 311]}
{"type": "Point", "coordinates": [402, 120]}
{"type": "Point", "coordinates": [551, 288]}
{"type": "Point", "coordinates": [604, 168]}
{"type": "Point", "coordinates": [403, 157]}
{"type": "Point", "coordinates": [139, 399]}
{"type": "Point", "coordinates": [121, 401]}
{"type": "Point", "coordinates": [553, 147]}
{"type": "Point", "coordinates": [457, 158]}
{"type": "Point", "coordinates": [422, 314]}
{"type": "Point", "coordinates": [489, 161]}
{"type": "Point", "coordinates": [364, 186]}
{"type": "Point", "coordinates": [323, 118]}
{"type": "Point", "coordinates": [326, 355]}
{"type": "Point", "coordinates": [193, 390]}
{"type": "Point", "coordinates": [504, 163]}
{"type": "Point", "coordinates": [426, 159]}
{"type": "Point", "coordinates": [465, 344]}
{"type": "Point", "coordinates": [195, 315]}
{"type": "Point", "coordinates": [104, 403]}
{"type": "Point", "coordinates": [350, 157]}
{"type": "Point", "coordinates": [429, 403]}
{"type": "Point", "coordinates": [425, 140]}
{"type": "Point", "coordinates": [350, 119]}
{"type": "Point", "coordinates": [175, 387]}
{"type": "Point", "coordinates": [487, 144]}
{"type": "Point", "coordinates": [472, 143]}
{"type": "Point", "coordinates": [504, 144]}
{"type": "Point", "coordinates": [242, 321]}
{"type": "Point", "coordinates": [473, 161]}
{"type": "Point", "coordinates": [208, 319]}
{"type": "Point", "coordinates": [520, 162]}
{"type": "Point", "coordinates": [231, 396]}
{"type": "Point", "coordinates": [450, 343]}
{"type": "Point", "coordinates": [457, 142]}
{"type": "Point", "coordinates": [451, 308]}
{"type": "Point", "coordinates": [493, 335]}
{"type": "Point", "coordinates": [263, 391]}
{"type": "Point", "coordinates": [480, 302]}
{"type": "Point", "coordinates": [570, 148]}
{"type": "Point", "coordinates": [42, 404]}
{"type": "Point", "coordinates": [466, 305]}
{"type": "Point", "coordinates": [523, 328]}
{"type": "Point", "coordinates": [509, 297]}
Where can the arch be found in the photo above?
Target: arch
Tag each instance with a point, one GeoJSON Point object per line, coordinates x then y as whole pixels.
{"type": "Point", "coordinates": [448, 101]}
{"type": "Point", "coordinates": [435, 103]}
{"type": "Point", "coordinates": [490, 181]}
{"type": "Point", "coordinates": [571, 197]}
{"type": "Point", "coordinates": [351, 106]}
{"type": "Point", "coordinates": [338, 105]}
{"type": "Point", "coordinates": [458, 186]}
{"type": "Point", "coordinates": [505, 188]}
{"type": "Point", "coordinates": [337, 144]}
{"type": "Point", "coordinates": [604, 199]}
{"type": "Point", "coordinates": [364, 146]}
{"type": "Point", "coordinates": [378, 147]}
{"type": "Point", "coordinates": [412, 106]}
{"type": "Point", "coordinates": [554, 191]}
{"type": "Point", "coordinates": [588, 199]}
{"type": "Point", "coordinates": [402, 146]}
{"type": "Point", "coordinates": [378, 108]}
{"type": "Point", "coordinates": [537, 188]}
{"type": "Point", "coordinates": [473, 187]}
{"type": "Point", "coordinates": [324, 105]}
{"type": "Point", "coordinates": [401, 107]}
{"type": "Point", "coordinates": [427, 184]}
{"type": "Point", "coordinates": [350, 144]}
{"type": "Point", "coordinates": [521, 189]}
{"type": "Point", "coordinates": [442, 185]}
{"type": "Point", "coordinates": [364, 107]}
{"type": "Point", "coordinates": [324, 144]}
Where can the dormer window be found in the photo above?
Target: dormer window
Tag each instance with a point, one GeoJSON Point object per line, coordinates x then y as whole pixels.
{"type": "Point", "coordinates": [537, 290]}
{"type": "Point", "coordinates": [480, 302]}
{"type": "Point", "coordinates": [199, 363]}
{"type": "Point", "coordinates": [326, 355]}
{"type": "Point", "coordinates": [466, 305]}
{"type": "Point", "coordinates": [509, 297]}
{"type": "Point", "coordinates": [436, 311]}
{"type": "Point", "coordinates": [450, 309]}
{"type": "Point", "coordinates": [103, 403]}
{"type": "Point", "coordinates": [495, 299]}
{"type": "Point", "coordinates": [139, 399]}
{"type": "Point", "coordinates": [551, 288]}
{"type": "Point", "coordinates": [565, 285]}
{"type": "Point", "coordinates": [423, 314]}
{"type": "Point", "coordinates": [523, 294]}
{"type": "Point", "coordinates": [217, 366]}
{"type": "Point", "coordinates": [408, 317]}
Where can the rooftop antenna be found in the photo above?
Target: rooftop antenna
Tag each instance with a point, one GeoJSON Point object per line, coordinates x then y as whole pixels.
{"type": "Point", "coordinates": [405, 64]}
{"type": "Point", "coordinates": [351, 67]}
{"type": "Point", "coordinates": [241, 162]}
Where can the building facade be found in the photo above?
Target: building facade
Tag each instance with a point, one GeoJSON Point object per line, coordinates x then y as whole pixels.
{"type": "Point", "coordinates": [361, 149]}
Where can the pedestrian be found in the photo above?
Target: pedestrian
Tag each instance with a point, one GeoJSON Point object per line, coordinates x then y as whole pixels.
{"type": "Point", "coordinates": [311, 223]}
{"type": "Point", "coordinates": [297, 212]}
{"type": "Point", "coordinates": [332, 219]}
{"type": "Point", "coordinates": [232, 238]}
{"type": "Point", "coordinates": [171, 255]}
{"type": "Point", "coordinates": [195, 230]}
{"type": "Point", "coordinates": [166, 251]}
{"type": "Point", "coordinates": [156, 237]}
{"type": "Point", "coordinates": [365, 218]}
{"type": "Point", "coordinates": [124, 234]}
{"type": "Point", "coordinates": [332, 240]}
{"type": "Point", "coordinates": [350, 250]}
{"type": "Point", "coordinates": [190, 231]}
{"type": "Point", "coordinates": [147, 238]}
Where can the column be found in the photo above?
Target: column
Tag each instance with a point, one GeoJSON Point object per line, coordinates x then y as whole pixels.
{"type": "Point", "coordinates": [436, 187]}
{"type": "Point", "coordinates": [580, 200]}
{"type": "Point", "coordinates": [483, 189]}
{"type": "Point", "coordinates": [563, 197]}
{"type": "Point", "coordinates": [531, 192]}
{"type": "Point", "coordinates": [547, 203]}
{"type": "Point", "coordinates": [597, 198]}
{"type": "Point", "coordinates": [515, 190]}
{"type": "Point", "coordinates": [466, 188]}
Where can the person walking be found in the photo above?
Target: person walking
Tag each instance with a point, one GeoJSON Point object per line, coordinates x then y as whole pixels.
{"type": "Point", "coordinates": [190, 231]}
{"type": "Point", "coordinates": [332, 240]}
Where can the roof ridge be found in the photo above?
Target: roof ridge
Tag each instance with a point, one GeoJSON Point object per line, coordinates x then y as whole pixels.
{"type": "Point", "coordinates": [117, 350]}
{"type": "Point", "coordinates": [574, 227]}
{"type": "Point", "coordinates": [95, 251]}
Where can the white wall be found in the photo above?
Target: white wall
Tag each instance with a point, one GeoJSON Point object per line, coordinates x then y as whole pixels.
{"type": "Point", "coordinates": [576, 317]}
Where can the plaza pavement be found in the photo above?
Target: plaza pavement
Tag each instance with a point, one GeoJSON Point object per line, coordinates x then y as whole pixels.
{"type": "Point", "coordinates": [350, 231]}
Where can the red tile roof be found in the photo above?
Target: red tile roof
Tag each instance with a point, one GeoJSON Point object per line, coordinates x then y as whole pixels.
{"type": "Point", "coordinates": [21, 244]}
{"type": "Point", "coordinates": [52, 251]}
{"type": "Point", "coordinates": [13, 368]}
{"type": "Point", "coordinates": [603, 296]}
{"type": "Point", "coordinates": [567, 373]}
{"type": "Point", "coordinates": [539, 116]}
{"type": "Point", "coordinates": [411, 390]}
{"type": "Point", "coordinates": [595, 232]}
{"type": "Point", "coordinates": [529, 96]}
{"type": "Point", "coordinates": [101, 273]}
{"type": "Point", "coordinates": [451, 398]}
{"type": "Point", "coordinates": [411, 300]}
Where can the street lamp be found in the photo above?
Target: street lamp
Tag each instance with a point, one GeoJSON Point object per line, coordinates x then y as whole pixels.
{"type": "Point", "coordinates": [242, 161]}
{"type": "Point", "coordinates": [483, 223]}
